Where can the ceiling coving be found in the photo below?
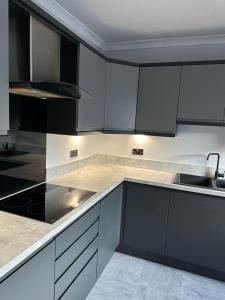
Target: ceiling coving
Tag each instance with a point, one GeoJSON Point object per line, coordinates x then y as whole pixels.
{"type": "Point", "coordinates": [127, 24]}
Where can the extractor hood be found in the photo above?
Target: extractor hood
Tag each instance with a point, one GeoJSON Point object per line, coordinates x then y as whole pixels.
{"type": "Point", "coordinates": [48, 90]}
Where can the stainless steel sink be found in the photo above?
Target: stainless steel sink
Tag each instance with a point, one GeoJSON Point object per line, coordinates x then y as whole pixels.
{"type": "Point", "coordinates": [200, 181]}
{"type": "Point", "coordinates": [193, 180]}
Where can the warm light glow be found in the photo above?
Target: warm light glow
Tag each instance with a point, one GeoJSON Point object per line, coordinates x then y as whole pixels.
{"type": "Point", "coordinates": [140, 138]}
{"type": "Point", "coordinates": [77, 138]}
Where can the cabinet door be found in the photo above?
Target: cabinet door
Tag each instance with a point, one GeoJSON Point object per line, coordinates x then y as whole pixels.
{"type": "Point", "coordinates": [196, 229]}
{"type": "Point", "coordinates": [4, 70]}
{"type": "Point", "coordinates": [202, 94]}
{"type": "Point", "coordinates": [121, 99]}
{"type": "Point", "coordinates": [158, 99]}
{"type": "Point", "coordinates": [146, 215]}
{"type": "Point", "coordinates": [92, 78]}
{"type": "Point", "coordinates": [34, 280]}
{"type": "Point", "coordinates": [109, 229]}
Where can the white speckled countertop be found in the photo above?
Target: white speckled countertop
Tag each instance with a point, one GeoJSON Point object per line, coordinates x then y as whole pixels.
{"type": "Point", "coordinates": [21, 237]}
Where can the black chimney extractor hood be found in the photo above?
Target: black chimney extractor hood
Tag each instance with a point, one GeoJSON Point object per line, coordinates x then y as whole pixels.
{"type": "Point", "coordinates": [48, 90]}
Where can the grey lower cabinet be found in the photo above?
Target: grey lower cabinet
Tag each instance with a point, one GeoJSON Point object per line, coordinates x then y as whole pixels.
{"type": "Point", "coordinates": [4, 70]}
{"type": "Point", "coordinates": [34, 280]}
{"type": "Point", "coordinates": [158, 100]}
{"type": "Point", "coordinates": [145, 218]}
{"type": "Point", "coordinates": [80, 288]}
{"type": "Point", "coordinates": [109, 227]}
{"type": "Point", "coordinates": [202, 92]}
{"type": "Point", "coordinates": [196, 230]}
{"type": "Point", "coordinates": [92, 78]}
{"type": "Point", "coordinates": [177, 228]}
{"type": "Point", "coordinates": [121, 97]}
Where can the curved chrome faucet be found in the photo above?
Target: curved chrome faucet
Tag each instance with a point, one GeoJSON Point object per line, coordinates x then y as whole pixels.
{"type": "Point", "coordinates": [217, 173]}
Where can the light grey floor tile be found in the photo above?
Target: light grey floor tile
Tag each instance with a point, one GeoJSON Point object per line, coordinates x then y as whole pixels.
{"type": "Point", "coordinates": [161, 278]}
{"type": "Point", "coordinates": [199, 288]}
{"type": "Point", "coordinates": [129, 278]}
{"type": "Point", "coordinates": [124, 268]}
{"type": "Point", "coordinates": [112, 290]}
{"type": "Point", "coordinates": [145, 293]}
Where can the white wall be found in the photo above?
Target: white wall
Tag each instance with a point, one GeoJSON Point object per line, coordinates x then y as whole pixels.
{"type": "Point", "coordinates": [59, 147]}
{"type": "Point", "coordinates": [190, 146]}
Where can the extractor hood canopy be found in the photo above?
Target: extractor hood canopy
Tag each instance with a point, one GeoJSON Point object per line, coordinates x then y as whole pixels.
{"type": "Point", "coordinates": [47, 90]}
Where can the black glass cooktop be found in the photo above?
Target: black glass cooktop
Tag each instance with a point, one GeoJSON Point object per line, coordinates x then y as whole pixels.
{"type": "Point", "coordinates": [46, 202]}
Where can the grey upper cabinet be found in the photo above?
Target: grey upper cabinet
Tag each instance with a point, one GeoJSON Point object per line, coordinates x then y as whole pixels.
{"type": "Point", "coordinates": [158, 100]}
{"type": "Point", "coordinates": [202, 93]}
{"type": "Point", "coordinates": [4, 70]}
{"type": "Point", "coordinates": [34, 280]}
{"type": "Point", "coordinates": [109, 228]}
{"type": "Point", "coordinates": [121, 97]}
{"type": "Point", "coordinates": [92, 78]}
{"type": "Point", "coordinates": [196, 230]}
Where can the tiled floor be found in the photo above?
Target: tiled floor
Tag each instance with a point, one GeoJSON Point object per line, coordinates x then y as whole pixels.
{"type": "Point", "coordinates": [129, 278]}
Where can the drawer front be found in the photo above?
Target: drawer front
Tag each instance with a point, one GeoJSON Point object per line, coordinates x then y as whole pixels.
{"type": "Point", "coordinates": [70, 275]}
{"type": "Point", "coordinates": [81, 287]}
{"type": "Point", "coordinates": [66, 260]}
{"type": "Point", "coordinates": [71, 234]}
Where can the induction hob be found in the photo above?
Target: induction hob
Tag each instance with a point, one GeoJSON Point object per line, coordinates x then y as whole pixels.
{"type": "Point", "coordinates": [46, 202]}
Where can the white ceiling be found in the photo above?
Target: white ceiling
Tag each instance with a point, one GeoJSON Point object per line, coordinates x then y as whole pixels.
{"type": "Point", "coordinates": [133, 20]}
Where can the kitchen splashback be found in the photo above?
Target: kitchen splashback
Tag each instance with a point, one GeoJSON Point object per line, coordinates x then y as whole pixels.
{"type": "Point", "coordinates": [22, 161]}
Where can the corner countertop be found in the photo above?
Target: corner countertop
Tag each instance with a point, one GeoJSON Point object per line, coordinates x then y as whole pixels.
{"type": "Point", "coordinates": [20, 237]}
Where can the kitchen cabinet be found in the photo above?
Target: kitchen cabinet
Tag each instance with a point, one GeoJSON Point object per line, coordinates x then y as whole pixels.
{"type": "Point", "coordinates": [76, 257]}
{"type": "Point", "coordinates": [196, 230]}
{"type": "Point", "coordinates": [158, 100]}
{"type": "Point", "coordinates": [202, 92]}
{"type": "Point", "coordinates": [33, 280]}
{"type": "Point", "coordinates": [121, 97]}
{"type": "Point", "coordinates": [80, 288]}
{"type": "Point", "coordinates": [109, 228]}
{"type": "Point", "coordinates": [4, 70]}
{"type": "Point", "coordinates": [92, 78]}
{"type": "Point", "coordinates": [145, 218]}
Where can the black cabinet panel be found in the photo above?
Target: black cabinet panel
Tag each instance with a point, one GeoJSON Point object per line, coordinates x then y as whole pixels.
{"type": "Point", "coordinates": [146, 215]}
{"type": "Point", "coordinates": [196, 230]}
{"type": "Point", "coordinates": [19, 43]}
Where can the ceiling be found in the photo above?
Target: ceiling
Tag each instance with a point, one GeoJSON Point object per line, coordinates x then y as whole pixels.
{"type": "Point", "coordinates": [134, 20]}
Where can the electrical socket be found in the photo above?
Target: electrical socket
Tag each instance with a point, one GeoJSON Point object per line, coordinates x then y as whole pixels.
{"type": "Point", "coordinates": [74, 153]}
{"type": "Point", "coordinates": [136, 151]}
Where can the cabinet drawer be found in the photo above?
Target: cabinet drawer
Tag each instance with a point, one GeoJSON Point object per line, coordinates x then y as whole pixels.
{"type": "Point", "coordinates": [81, 287]}
{"type": "Point", "coordinates": [64, 261]}
{"type": "Point", "coordinates": [71, 234]}
{"type": "Point", "coordinates": [70, 275]}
